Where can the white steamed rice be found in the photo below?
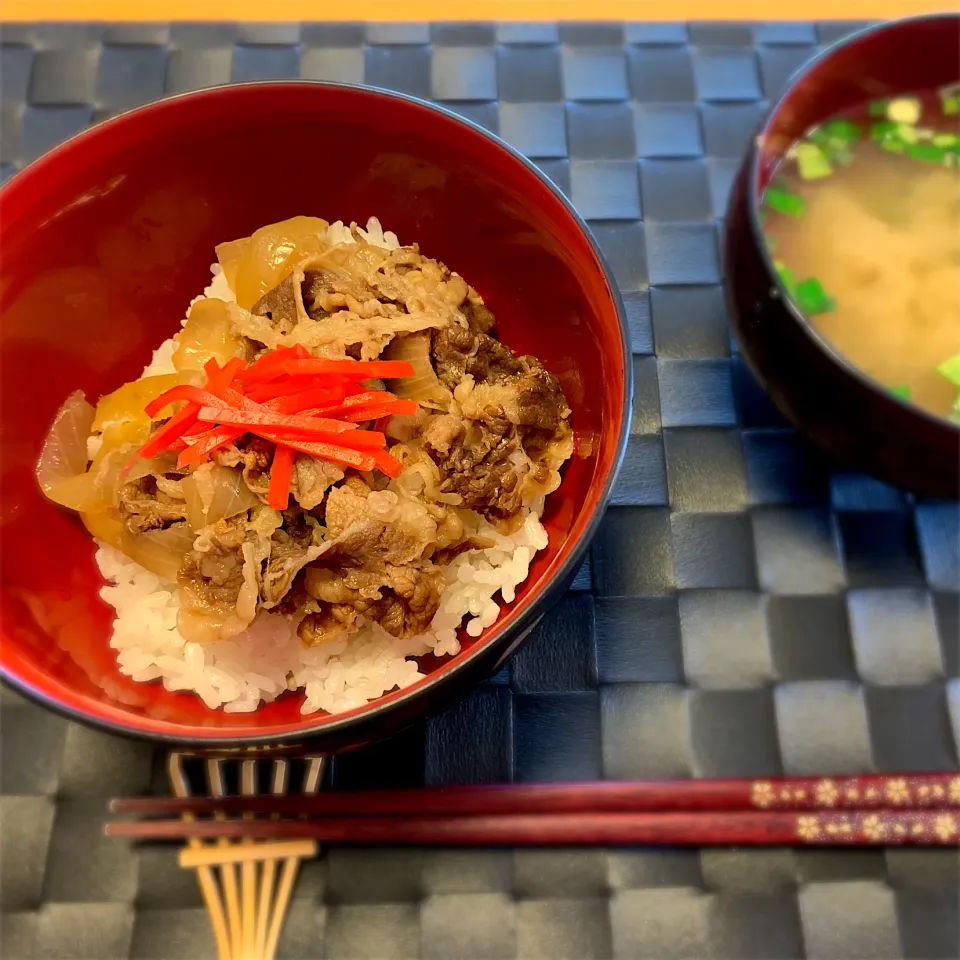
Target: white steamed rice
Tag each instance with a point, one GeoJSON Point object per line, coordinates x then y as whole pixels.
{"type": "Point", "coordinates": [268, 658]}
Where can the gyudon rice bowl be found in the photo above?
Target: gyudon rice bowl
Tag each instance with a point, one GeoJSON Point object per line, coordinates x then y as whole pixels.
{"type": "Point", "coordinates": [332, 467]}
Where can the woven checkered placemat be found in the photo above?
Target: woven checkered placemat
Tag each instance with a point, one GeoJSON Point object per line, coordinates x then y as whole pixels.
{"type": "Point", "coordinates": [746, 609]}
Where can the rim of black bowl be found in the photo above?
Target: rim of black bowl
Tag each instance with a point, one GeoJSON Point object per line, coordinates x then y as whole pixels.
{"type": "Point", "coordinates": [755, 203]}
{"type": "Point", "coordinates": [332, 723]}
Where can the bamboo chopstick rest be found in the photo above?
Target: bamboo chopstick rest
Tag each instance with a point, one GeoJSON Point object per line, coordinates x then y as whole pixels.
{"type": "Point", "coordinates": [246, 912]}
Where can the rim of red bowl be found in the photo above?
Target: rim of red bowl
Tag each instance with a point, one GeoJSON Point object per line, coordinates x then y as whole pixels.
{"type": "Point", "coordinates": [106, 716]}
{"type": "Point", "coordinates": [755, 203]}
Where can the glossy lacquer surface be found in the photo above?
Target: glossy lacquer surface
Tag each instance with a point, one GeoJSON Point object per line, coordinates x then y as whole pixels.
{"type": "Point", "coordinates": [855, 418]}
{"type": "Point", "coordinates": [107, 239]}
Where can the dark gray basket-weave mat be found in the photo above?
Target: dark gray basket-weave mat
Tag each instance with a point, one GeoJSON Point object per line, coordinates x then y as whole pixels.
{"type": "Point", "coordinates": [746, 608]}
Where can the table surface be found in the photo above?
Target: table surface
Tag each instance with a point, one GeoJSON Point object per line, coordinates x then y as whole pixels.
{"type": "Point", "coordinates": [746, 609]}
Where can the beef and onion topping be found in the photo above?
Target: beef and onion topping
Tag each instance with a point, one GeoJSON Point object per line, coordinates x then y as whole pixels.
{"type": "Point", "coordinates": [332, 467]}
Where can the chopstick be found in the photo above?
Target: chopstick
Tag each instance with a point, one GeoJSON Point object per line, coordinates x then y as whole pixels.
{"type": "Point", "coordinates": [278, 786]}
{"type": "Point", "coordinates": [205, 875]}
{"type": "Point", "coordinates": [228, 870]}
{"type": "Point", "coordinates": [291, 863]}
{"type": "Point", "coordinates": [884, 827]}
{"type": "Point", "coordinates": [902, 791]}
{"type": "Point", "coordinates": [248, 870]}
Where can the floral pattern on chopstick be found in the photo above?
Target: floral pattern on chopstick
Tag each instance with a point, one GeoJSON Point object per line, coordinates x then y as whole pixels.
{"type": "Point", "coordinates": [808, 828]}
{"type": "Point", "coordinates": [897, 791]}
{"type": "Point", "coordinates": [827, 793]}
{"type": "Point", "coordinates": [860, 792]}
{"type": "Point", "coordinates": [762, 794]}
{"type": "Point", "coordinates": [883, 827]}
{"type": "Point", "coordinates": [945, 827]}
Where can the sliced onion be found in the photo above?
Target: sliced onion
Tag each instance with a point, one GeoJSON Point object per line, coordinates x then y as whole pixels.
{"type": "Point", "coordinates": [423, 386]}
{"type": "Point", "coordinates": [98, 489]}
{"type": "Point", "coordinates": [254, 265]}
{"type": "Point", "coordinates": [206, 335]}
{"type": "Point", "coordinates": [105, 525]}
{"type": "Point", "coordinates": [76, 493]}
{"type": "Point", "coordinates": [64, 453]}
{"type": "Point", "coordinates": [420, 478]}
{"type": "Point", "coordinates": [214, 493]}
{"type": "Point", "coordinates": [126, 403]}
{"type": "Point", "coordinates": [159, 466]}
{"type": "Point", "coordinates": [160, 551]}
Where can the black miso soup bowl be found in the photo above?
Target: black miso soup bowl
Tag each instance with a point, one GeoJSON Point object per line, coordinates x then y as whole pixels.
{"type": "Point", "coordinates": [824, 394]}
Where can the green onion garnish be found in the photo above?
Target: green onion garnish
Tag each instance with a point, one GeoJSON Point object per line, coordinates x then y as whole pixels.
{"type": "Point", "coordinates": [812, 164]}
{"type": "Point", "coordinates": [818, 136]}
{"type": "Point", "coordinates": [834, 139]}
{"type": "Point", "coordinates": [926, 151]}
{"type": "Point", "coordinates": [813, 298]}
{"type": "Point", "coordinates": [902, 391]}
{"type": "Point", "coordinates": [945, 140]}
{"type": "Point", "coordinates": [892, 145]}
{"type": "Point", "coordinates": [907, 133]}
{"type": "Point", "coordinates": [950, 369]}
{"type": "Point", "coordinates": [950, 100]}
{"type": "Point", "coordinates": [878, 108]}
{"type": "Point", "coordinates": [784, 202]}
{"type": "Point", "coordinates": [841, 129]}
{"type": "Point", "coordinates": [878, 131]}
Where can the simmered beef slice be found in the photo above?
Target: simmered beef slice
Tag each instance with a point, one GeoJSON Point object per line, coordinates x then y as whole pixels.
{"type": "Point", "coordinates": [457, 351]}
{"type": "Point", "coordinates": [346, 505]}
{"type": "Point", "coordinates": [533, 397]}
{"type": "Point", "coordinates": [368, 529]}
{"type": "Point", "coordinates": [144, 506]}
{"type": "Point", "coordinates": [219, 583]}
{"type": "Point", "coordinates": [288, 556]}
{"type": "Point", "coordinates": [370, 282]}
{"type": "Point", "coordinates": [440, 433]}
{"type": "Point", "coordinates": [403, 600]}
{"type": "Point", "coordinates": [326, 291]}
{"type": "Point", "coordinates": [255, 456]}
{"type": "Point", "coordinates": [375, 563]}
{"type": "Point", "coordinates": [540, 401]}
{"type": "Point", "coordinates": [311, 480]}
{"type": "Point", "coordinates": [478, 461]}
{"type": "Point", "coordinates": [279, 305]}
{"type": "Point", "coordinates": [321, 293]}
{"type": "Point", "coordinates": [511, 413]}
{"type": "Point", "coordinates": [479, 318]}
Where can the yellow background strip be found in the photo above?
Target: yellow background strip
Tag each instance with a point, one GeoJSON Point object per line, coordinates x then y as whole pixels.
{"type": "Point", "coordinates": [425, 10]}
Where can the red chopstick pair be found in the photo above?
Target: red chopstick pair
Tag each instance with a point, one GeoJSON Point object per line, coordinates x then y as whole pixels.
{"type": "Point", "coordinates": [851, 811]}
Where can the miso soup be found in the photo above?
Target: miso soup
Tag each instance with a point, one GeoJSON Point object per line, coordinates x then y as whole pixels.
{"type": "Point", "coordinates": [863, 224]}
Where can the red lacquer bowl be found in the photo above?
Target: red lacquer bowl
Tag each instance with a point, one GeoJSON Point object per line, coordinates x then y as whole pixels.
{"type": "Point", "coordinates": [106, 239]}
